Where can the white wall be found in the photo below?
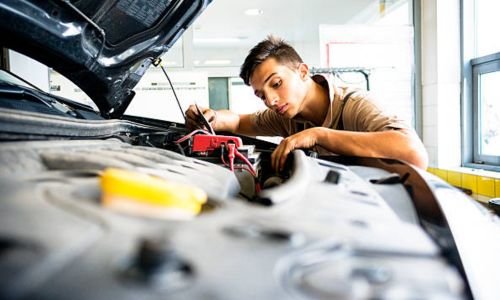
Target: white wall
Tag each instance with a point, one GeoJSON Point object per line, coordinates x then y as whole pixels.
{"type": "Point", "coordinates": [441, 82]}
{"type": "Point", "coordinates": [154, 97]}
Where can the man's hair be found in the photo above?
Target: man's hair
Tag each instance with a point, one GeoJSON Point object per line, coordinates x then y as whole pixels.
{"type": "Point", "coordinates": [271, 47]}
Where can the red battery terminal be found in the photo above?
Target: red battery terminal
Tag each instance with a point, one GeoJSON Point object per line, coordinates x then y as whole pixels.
{"type": "Point", "coordinates": [208, 143]}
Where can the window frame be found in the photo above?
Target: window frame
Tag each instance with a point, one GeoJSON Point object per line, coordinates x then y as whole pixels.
{"type": "Point", "coordinates": [480, 66]}
{"type": "Point", "coordinates": [472, 68]}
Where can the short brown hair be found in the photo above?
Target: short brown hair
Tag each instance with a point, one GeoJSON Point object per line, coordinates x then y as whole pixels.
{"type": "Point", "coordinates": [271, 47]}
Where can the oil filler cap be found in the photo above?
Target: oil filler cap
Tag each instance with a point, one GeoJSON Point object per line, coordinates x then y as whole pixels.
{"type": "Point", "coordinates": [140, 194]}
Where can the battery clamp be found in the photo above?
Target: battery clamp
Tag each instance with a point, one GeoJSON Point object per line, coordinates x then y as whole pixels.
{"type": "Point", "coordinates": [224, 149]}
{"type": "Point", "coordinates": [208, 143]}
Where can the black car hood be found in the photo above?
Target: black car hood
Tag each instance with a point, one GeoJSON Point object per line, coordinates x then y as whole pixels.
{"type": "Point", "coordinates": [103, 46]}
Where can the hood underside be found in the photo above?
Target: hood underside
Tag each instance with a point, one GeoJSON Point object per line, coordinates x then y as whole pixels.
{"type": "Point", "coordinates": [103, 46]}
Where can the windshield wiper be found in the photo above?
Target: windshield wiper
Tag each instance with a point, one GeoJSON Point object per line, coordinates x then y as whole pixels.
{"type": "Point", "coordinates": [16, 92]}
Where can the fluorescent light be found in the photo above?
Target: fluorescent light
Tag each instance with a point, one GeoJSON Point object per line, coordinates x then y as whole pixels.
{"type": "Point", "coordinates": [212, 62]}
{"type": "Point", "coordinates": [254, 12]}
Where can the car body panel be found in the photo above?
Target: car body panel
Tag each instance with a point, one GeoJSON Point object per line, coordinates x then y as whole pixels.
{"type": "Point", "coordinates": [104, 47]}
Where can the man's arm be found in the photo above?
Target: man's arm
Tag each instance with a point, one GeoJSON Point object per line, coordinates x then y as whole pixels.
{"type": "Point", "coordinates": [222, 120]}
{"type": "Point", "coordinates": [399, 144]}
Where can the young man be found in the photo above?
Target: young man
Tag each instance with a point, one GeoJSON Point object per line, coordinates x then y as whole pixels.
{"type": "Point", "coordinates": [310, 112]}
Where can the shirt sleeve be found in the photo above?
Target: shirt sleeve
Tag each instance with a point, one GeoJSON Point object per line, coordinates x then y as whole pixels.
{"type": "Point", "coordinates": [269, 123]}
{"type": "Point", "coordinates": [362, 114]}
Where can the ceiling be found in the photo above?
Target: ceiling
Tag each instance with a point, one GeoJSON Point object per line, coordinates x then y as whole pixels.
{"type": "Point", "coordinates": [223, 34]}
{"type": "Point", "coordinates": [295, 20]}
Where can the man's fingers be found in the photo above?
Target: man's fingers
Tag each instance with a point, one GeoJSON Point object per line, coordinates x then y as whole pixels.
{"type": "Point", "coordinates": [193, 118]}
{"type": "Point", "coordinates": [278, 152]}
{"type": "Point", "coordinates": [191, 112]}
{"type": "Point", "coordinates": [278, 158]}
{"type": "Point", "coordinates": [282, 159]}
{"type": "Point", "coordinates": [191, 121]}
{"type": "Point", "coordinates": [209, 115]}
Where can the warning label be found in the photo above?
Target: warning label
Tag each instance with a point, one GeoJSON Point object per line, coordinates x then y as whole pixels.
{"type": "Point", "coordinates": [145, 11]}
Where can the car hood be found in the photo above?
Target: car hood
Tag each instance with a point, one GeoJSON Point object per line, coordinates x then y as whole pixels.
{"type": "Point", "coordinates": [103, 46]}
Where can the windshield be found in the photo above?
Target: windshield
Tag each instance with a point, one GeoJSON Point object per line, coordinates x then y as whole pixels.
{"type": "Point", "coordinates": [8, 77]}
{"type": "Point", "coordinates": [19, 94]}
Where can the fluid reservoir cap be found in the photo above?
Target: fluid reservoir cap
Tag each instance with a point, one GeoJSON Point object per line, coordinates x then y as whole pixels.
{"type": "Point", "coordinates": [494, 204]}
{"type": "Point", "coordinates": [332, 177]}
{"type": "Point", "coordinates": [137, 193]}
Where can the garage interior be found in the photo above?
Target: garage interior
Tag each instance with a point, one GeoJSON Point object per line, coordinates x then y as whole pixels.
{"type": "Point", "coordinates": [329, 227]}
{"type": "Point", "coordinates": [418, 57]}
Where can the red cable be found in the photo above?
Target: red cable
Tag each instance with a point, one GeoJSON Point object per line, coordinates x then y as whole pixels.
{"type": "Point", "coordinates": [231, 151]}
{"type": "Point", "coordinates": [247, 162]}
{"type": "Point", "coordinates": [187, 136]}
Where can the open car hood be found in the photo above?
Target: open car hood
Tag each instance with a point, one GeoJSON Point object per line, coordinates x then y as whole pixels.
{"type": "Point", "coordinates": [103, 46]}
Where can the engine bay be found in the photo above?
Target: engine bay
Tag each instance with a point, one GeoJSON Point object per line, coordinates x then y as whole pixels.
{"type": "Point", "coordinates": [322, 229]}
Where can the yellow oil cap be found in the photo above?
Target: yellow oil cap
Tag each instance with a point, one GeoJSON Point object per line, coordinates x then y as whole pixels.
{"type": "Point", "coordinates": [141, 194]}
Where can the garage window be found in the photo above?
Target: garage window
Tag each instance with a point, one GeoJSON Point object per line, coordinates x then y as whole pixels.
{"type": "Point", "coordinates": [486, 108]}
{"type": "Point", "coordinates": [481, 105]}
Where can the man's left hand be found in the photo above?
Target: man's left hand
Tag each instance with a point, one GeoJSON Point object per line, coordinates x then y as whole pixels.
{"type": "Point", "coordinates": [305, 139]}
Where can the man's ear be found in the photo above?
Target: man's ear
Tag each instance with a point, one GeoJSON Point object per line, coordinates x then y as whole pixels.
{"type": "Point", "coordinates": [303, 71]}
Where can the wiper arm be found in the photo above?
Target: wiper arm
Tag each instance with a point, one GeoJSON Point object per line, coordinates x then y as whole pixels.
{"type": "Point", "coordinates": [36, 96]}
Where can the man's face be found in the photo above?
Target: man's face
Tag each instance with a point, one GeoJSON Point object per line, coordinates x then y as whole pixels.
{"type": "Point", "coordinates": [281, 87]}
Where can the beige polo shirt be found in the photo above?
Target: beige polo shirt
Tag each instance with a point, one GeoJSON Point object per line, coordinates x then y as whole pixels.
{"type": "Point", "coordinates": [360, 113]}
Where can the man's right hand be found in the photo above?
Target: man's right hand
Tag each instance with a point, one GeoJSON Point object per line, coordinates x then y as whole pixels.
{"type": "Point", "coordinates": [194, 120]}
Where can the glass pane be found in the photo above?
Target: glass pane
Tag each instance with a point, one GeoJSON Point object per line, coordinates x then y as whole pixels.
{"type": "Point", "coordinates": [218, 92]}
{"type": "Point", "coordinates": [489, 119]}
{"type": "Point", "coordinates": [487, 25]}
{"type": "Point", "coordinates": [63, 87]}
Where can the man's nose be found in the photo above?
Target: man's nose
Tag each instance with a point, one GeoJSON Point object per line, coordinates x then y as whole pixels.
{"type": "Point", "coordinates": [272, 99]}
